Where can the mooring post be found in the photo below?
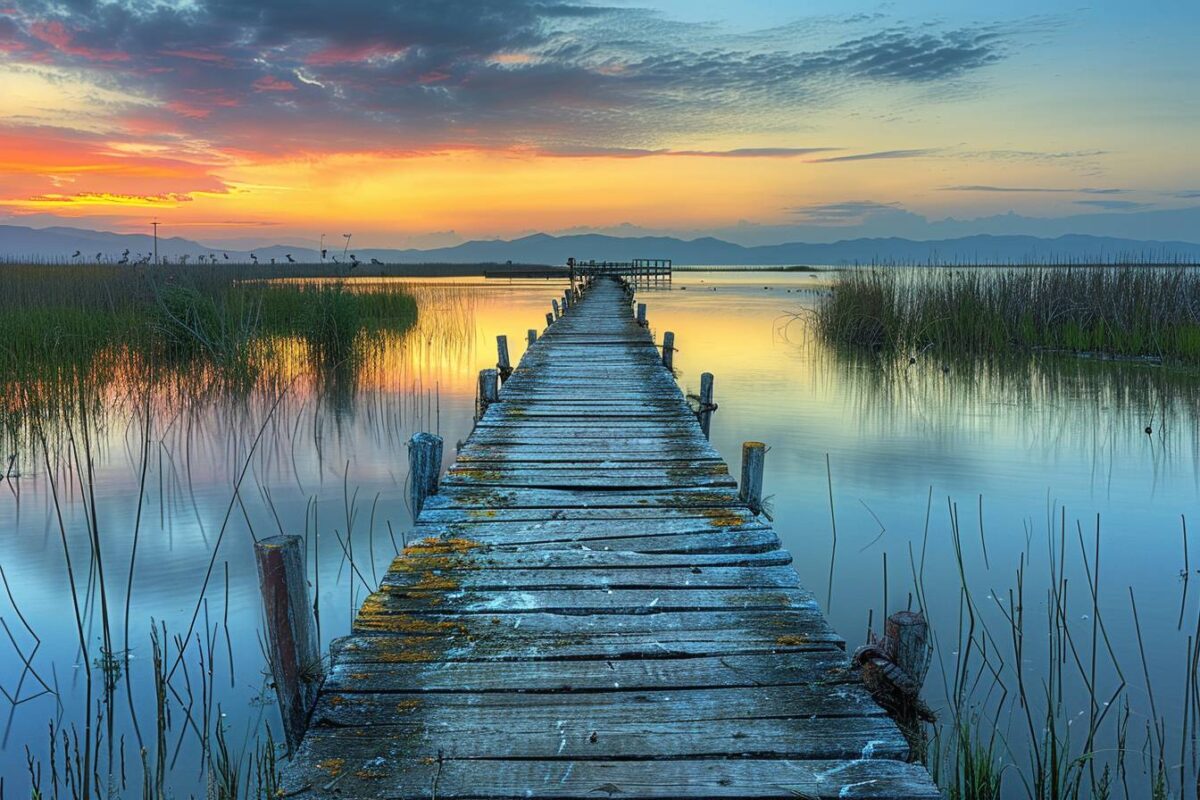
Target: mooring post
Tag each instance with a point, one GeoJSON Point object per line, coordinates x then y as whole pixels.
{"type": "Point", "coordinates": [706, 402]}
{"type": "Point", "coordinates": [424, 468]}
{"type": "Point", "coordinates": [532, 335]}
{"type": "Point", "coordinates": [566, 301]}
{"type": "Point", "coordinates": [893, 669]}
{"type": "Point", "coordinates": [668, 354]}
{"type": "Point", "coordinates": [908, 633]}
{"type": "Point", "coordinates": [503, 365]}
{"type": "Point", "coordinates": [489, 391]}
{"type": "Point", "coordinates": [291, 632]}
{"type": "Point", "coordinates": [557, 312]}
{"type": "Point", "coordinates": [641, 314]}
{"type": "Point", "coordinates": [750, 489]}
{"type": "Point", "coordinates": [549, 318]}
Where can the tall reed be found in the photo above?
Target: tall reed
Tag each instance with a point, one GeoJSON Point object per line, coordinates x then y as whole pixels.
{"type": "Point", "coordinates": [1129, 311]}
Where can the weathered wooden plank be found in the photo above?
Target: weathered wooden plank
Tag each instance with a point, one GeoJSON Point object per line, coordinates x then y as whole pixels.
{"type": "Point", "coordinates": [578, 601]}
{"type": "Point", "coordinates": [495, 498]}
{"type": "Point", "coordinates": [493, 558]}
{"type": "Point", "coordinates": [571, 739]}
{"type": "Point", "coordinates": [394, 777]}
{"type": "Point", "coordinates": [336, 709]}
{"type": "Point", "coordinates": [416, 575]}
{"type": "Point", "coordinates": [821, 667]}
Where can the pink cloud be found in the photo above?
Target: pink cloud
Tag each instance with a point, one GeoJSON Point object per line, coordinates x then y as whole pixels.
{"type": "Point", "coordinates": [269, 83]}
{"type": "Point", "coordinates": [335, 54]}
{"type": "Point", "coordinates": [56, 35]}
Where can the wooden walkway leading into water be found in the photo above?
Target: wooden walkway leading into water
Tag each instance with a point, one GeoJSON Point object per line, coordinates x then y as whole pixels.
{"type": "Point", "coordinates": [591, 612]}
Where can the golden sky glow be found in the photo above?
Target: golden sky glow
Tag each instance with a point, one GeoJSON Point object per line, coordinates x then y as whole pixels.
{"type": "Point", "coordinates": [521, 119]}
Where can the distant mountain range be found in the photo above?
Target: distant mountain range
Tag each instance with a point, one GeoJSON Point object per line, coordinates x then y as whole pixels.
{"type": "Point", "coordinates": [61, 243]}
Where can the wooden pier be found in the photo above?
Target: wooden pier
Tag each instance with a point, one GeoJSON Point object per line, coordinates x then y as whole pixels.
{"type": "Point", "coordinates": [589, 609]}
{"type": "Point", "coordinates": [641, 273]}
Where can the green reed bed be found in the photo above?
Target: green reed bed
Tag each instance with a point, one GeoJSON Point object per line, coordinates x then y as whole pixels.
{"type": "Point", "coordinates": [68, 331]}
{"type": "Point", "coordinates": [1125, 312]}
{"type": "Point", "coordinates": [63, 317]}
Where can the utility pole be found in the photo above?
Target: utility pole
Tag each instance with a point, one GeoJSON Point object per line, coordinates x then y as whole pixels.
{"type": "Point", "coordinates": [155, 224]}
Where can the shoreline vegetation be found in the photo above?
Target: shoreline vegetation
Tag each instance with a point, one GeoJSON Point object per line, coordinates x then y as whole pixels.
{"type": "Point", "coordinates": [62, 318]}
{"type": "Point", "coordinates": [1129, 313]}
{"type": "Point", "coordinates": [66, 332]}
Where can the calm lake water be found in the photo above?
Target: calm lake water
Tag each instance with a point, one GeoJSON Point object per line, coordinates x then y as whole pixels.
{"type": "Point", "coordinates": [939, 475]}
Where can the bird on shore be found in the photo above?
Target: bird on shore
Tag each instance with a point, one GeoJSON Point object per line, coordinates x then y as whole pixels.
{"type": "Point", "coordinates": [76, 254]}
{"type": "Point", "coordinates": [354, 259]}
{"type": "Point", "coordinates": [99, 257]}
{"type": "Point", "coordinates": [254, 258]}
{"type": "Point", "coordinates": [290, 259]}
{"type": "Point", "coordinates": [226, 256]}
{"type": "Point", "coordinates": [376, 262]}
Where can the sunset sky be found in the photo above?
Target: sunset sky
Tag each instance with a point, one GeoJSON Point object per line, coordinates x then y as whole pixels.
{"type": "Point", "coordinates": [427, 122]}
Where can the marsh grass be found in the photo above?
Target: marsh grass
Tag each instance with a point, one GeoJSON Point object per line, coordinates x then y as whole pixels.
{"type": "Point", "coordinates": [67, 333]}
{"type": "Point", "coordinates": [1125, 312]}
{"type": "Point", "coordinates": [61, 318]}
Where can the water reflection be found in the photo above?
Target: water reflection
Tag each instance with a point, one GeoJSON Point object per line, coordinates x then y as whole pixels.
{"type": "Point", "coordinates": [975, 472]}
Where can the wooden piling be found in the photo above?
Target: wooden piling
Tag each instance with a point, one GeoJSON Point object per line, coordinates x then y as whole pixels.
{"type": "Point", "coordinates": [909, 634]}
{"type": "Point", "coordinates": [424, 469]}
{"type": "Point", "coordinates": [503, 365]}
{"type": "Point", "coordinates": [707, 407]}
{"type": "Point", "coordinates": [489, 391]}
{"type": "Point", "coordinates": [750, 488]}
{"type": "Point", "coordinates": [291, 632]}
{"type": "Point", "coordinates": [668, 351]}
{"type": "Point", "coordinates": [557, 312]}
{"type": "Point", "coordinates": [641, 314]}
{"type": "Point", "coordinates": [549, 318]}
{"type": "Point", "coordinates": [893, 669]}
{"type": "Point", "coordinates": [531, 335]}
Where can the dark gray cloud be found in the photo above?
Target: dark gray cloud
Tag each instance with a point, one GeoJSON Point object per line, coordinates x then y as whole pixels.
{"type": "Point", "coordinates": [291, 75]}
{"type": "Point", "coordinates": [846, 212]}
{"type": "Point", "coordinates": [881, 154]}
{"type": "Point", "coordinates": [633, 152]}
{"type": "Point", "coordinates": [909, 56]}
{"type": "Point", "coordinates": [1114, 205]}
{"type": "Point", "coordinates": [1025, 189]}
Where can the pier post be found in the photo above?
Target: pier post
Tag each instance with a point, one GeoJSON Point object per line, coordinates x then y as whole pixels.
{"type": "Point", "coordinates": [549, 318]}
{"type": "Point", "coordinates": [489, 392]}
{"type": "Point", "coordinates": [750, 488]}
{"type": "Point", "coordinates": [641, 314]}
{"type": "Point", "coordinates": [291, 632]}
{"type": "Point", "coordinates": [566, 301]}
{"type": "Point", "coordinates": [668, 354]}
{"type": "Point", "coordinates": [502, 363]}
{"type": "Point", "coordinates": [893, 669]}
{"type": "Point", "coordinates": [909, 634]}
{"type": "Point", "coordinates": [706, 402]}
{"type": "Point", "coordinates": [532, 335]}
{"type": "Point", "coordinates": [557, 312]}
{"type": "Point", "coordinates": [424, 468]}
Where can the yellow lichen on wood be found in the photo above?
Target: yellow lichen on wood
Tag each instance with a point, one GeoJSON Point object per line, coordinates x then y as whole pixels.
{"type": "Point", "coordinates": [723, 517]}
{"type": "Point", "coordinates": [792, 640]}
{"type": "Point", "coordinates": [333, 766]}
